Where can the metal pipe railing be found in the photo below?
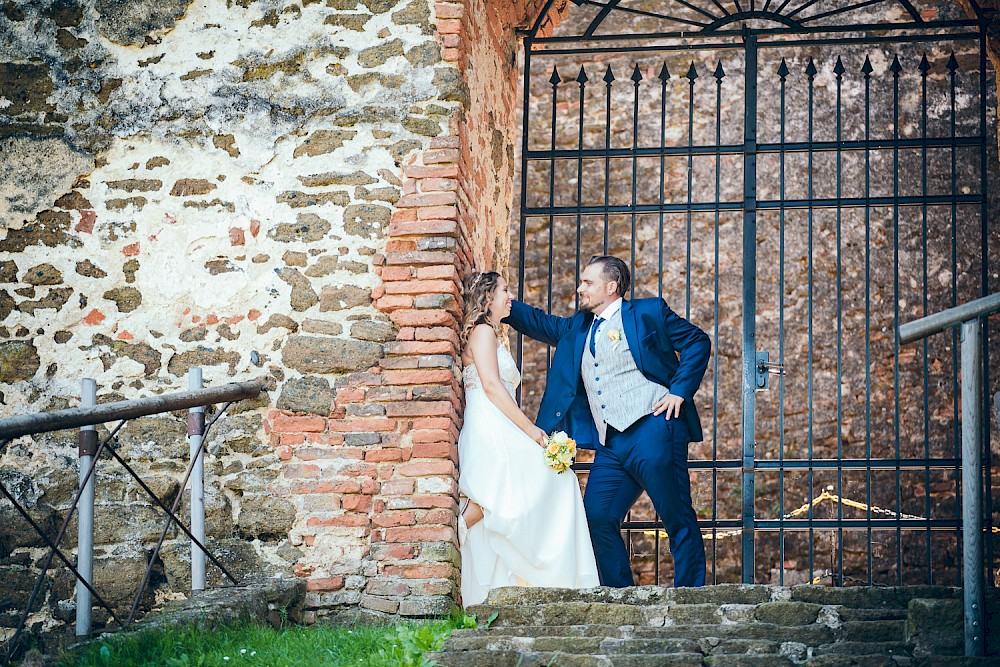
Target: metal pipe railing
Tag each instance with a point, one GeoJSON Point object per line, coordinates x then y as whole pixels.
{"type": "Point", "coordinates": [949, 319]}
{"type": "Point", "coordinates": [88, 416]}
{"type": "Point", "coordinates": [43, 422]}
{"type": "Point", "coordinates": [970, 317]}
{"type": "Point", "coordinates": [85, 524]}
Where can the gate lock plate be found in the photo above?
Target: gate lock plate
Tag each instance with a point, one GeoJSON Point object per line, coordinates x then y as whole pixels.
{"type": "Point", "coordinates": [765, 369]}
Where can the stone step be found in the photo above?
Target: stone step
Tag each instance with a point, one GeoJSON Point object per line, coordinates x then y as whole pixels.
{"type": "Point", "coordinates": [510, 658]}
{"type": "Point", "coordinates": [813, 635]}
{"type": "Point", "coordinates": [862, 648]}
{"type": "Point", "coordinates": [857, 597]}
{"type": "Point", "coordinates": [731, 625]}
{"type": "Point", "coordinates": [610, 645]}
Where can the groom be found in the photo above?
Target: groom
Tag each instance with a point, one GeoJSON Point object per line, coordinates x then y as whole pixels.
{"type": "Point", "coordinates": [622, 380]}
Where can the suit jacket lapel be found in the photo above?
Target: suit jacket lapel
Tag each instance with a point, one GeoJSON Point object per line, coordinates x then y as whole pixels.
{"type": "Point", "coordinates": [631, 332]}
{"type": "Point", "coordinates": [581, 338]}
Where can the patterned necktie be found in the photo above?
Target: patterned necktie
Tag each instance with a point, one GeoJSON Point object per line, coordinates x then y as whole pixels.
{"type": "Point", "coordinates": [593, 335]}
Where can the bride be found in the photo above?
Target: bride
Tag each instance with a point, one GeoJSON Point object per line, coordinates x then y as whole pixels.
{"type": "Point", "coordinates": [523, 524]}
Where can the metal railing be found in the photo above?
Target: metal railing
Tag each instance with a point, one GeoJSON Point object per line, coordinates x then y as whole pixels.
{"type": "Point", "coordinates": [87, 417]}
{"type": "Point", "coordinates": [970, 317]}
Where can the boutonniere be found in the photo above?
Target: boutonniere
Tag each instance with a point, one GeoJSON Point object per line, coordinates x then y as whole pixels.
{"type": "Point", "coordinates": [614, 335]}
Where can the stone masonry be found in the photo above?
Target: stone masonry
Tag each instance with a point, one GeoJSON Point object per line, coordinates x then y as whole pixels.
{"type": "Point", "coordinates": [285, 192]}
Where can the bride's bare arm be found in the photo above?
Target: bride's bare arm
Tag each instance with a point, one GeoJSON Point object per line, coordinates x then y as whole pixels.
{"type": "Point", "coordinates": [483, 345]}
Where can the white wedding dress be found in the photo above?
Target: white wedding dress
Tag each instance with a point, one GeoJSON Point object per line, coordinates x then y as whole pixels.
{"type": "Point", "coordinates": [534, 531]}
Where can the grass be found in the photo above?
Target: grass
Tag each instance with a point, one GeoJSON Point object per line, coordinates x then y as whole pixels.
{"type": "Point", "coordinates": [246, 645]}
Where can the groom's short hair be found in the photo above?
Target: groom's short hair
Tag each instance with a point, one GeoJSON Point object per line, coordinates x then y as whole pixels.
{"type": "Point", "coordinates": [614, 269]}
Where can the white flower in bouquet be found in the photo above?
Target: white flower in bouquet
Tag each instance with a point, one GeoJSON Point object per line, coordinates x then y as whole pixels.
{"type": "Point", "coordinates": [560, 451]}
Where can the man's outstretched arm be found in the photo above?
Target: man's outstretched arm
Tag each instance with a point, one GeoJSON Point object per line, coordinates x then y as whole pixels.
{"type": "Point", "coordinates": [536, 323]}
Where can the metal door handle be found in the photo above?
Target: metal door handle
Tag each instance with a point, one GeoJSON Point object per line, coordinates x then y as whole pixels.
{"type": "Point", "coordinates": [765, 369]}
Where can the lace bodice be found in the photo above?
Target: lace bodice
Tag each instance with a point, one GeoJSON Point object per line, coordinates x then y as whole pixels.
{"type": "Point", "coordinates": [509, 374]}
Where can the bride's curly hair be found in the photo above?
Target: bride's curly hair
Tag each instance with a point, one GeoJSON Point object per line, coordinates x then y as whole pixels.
{"type": "Point", "coordinates": [477, 291]}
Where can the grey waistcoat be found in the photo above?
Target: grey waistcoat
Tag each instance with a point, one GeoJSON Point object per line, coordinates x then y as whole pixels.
{"type": "Point", "coordinates": [619, 394]}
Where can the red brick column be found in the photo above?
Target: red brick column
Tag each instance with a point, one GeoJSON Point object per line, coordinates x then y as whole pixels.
{"type": "Point", "coordinates": [379, 475]}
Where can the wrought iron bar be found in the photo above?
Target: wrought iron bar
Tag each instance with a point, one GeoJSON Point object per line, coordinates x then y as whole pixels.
{"type": "Point", "coordinates": [664, 76]}
{"type": "Point", "coordinates": [715, 330]}
{"type": "Point", "coordinates": [581, 79]}
{"type": "Point", "coordinates": [839, 70]}
{"type": "Point", "coordinates": [973, 141]}
{"type": "Point", "coordinates": [667, 17]}
{"type": "Point", "coordinates": [636, 79]}
{"type": "Point", "coordinates": [896, 68]}
{"type": "Point", "coordinates": [523, 199]}
{"type": "Point", "coordinates": [924, 68]}
{"type": "Point", "coordinates": [609, 78]}
{"type": "Point", "coordinates": [692, 76]}
{"type": "Point", "coordinates": [811, 75]}
{"type": "Point", "coordinates": [858, 464]}
{"type": "Point", "coordinates": [783, 75]}
{"type": "Point", "coordinates": [952, 72]}
{"type": "Point", "coordinates": [44, 422]}
{"type": "Point", "coordinates": [875, 34]}
{"type": "Point", "coordinates": [985, 280]}
{"type": "Point", "coordinates": [749, 327]}
{"type": "Point", "coordinates": [813, 204]}
{"type": "Point", "coordinates": [867, 69]}
{"type": "Point", "coordinates": [554, 81]}
{"type": "Point", "coordinates": [691, 42]}
{"type": "Point", "coordinates": [843, 10]}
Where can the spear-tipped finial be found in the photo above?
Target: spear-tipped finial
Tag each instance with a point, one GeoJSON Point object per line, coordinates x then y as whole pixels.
{"type": "Point", "coordinates": [867, 68]}
{"type": "Point", "coordinates": [664, 73]}
{"type": "Point", "coordinates": [783, 69]}
{"type": "Point", "coordinates": [952, 64]}
{"type": "Point", "coordinates": [895, 67]}
{"type": "Point", "coordinates": [811, 69]}
{"type": "Point", "coordinates": [582, 78]}
{"type": "Point", "coordinates": [555, 79]}
{"type": "Point", "coordinates": [692, 73]}
{"type": "Point", "coordinates": [839, 68]}
{"type": "Point", "coordinates": [924, 66]}
{"type": "Point", "coordinates": [609, 76]}
{"type": "Point", "coordinates": [719, 73]}
{"type": "Point", "coordinates": [636, 74]}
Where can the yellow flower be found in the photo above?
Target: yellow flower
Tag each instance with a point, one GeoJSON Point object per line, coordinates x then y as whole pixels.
{"type": "Point", "coordinates": [614, 335]}
{"type": "Point", "coordinates": [553, 448]}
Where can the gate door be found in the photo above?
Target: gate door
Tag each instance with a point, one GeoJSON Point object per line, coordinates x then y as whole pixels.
{"type": "Point", "coordinates": [796, 177]}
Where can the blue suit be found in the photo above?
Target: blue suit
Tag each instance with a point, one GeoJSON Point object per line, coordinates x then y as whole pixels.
{"type": "Point", "coordinates": [649, 455]}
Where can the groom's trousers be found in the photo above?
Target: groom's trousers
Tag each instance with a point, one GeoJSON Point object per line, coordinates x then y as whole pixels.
{"type": "Point", "coordinates": [649, 455]}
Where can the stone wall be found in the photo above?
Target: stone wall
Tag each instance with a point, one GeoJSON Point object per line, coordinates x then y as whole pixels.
{"type": "Point", "coordinates": [285, 192]}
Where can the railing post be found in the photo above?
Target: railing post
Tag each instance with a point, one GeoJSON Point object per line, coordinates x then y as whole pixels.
{"type": "Point", "coordinates": [196, 430]}
{"type": "Point", "coordinates": [972, 485]}
{"type": "Point", "coordinates": [85, 523]}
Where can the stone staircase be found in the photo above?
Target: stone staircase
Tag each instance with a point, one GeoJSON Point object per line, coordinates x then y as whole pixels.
{"type": "Point", "coordinates": [728, 625]}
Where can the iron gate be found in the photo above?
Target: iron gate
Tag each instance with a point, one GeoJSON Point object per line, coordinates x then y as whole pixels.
{"type": "Point", "coordinates": [821, 165]}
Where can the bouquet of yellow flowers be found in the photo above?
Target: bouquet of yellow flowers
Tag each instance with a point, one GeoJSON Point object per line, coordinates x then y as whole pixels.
{"type": "Point", "coordinates": [560, 451]}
